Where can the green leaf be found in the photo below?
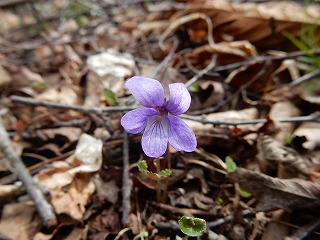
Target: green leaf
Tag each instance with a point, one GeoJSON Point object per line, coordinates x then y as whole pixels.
{"type": "Point", "coordinates": [287, 139]}
{"type": "Point", "coordinates": [243, 193]}
{"type": "Point", "coordinates": [191, 226]}
{"type": "Point", "coordinates": [110, 97]}
{"type": "Point", "coordinates": [39, 85]}
{"type": "Point", "coordinates": [82, 20]}
{"type": "Point", "coordinates": [231, 165]}
{"type": "Point", "coordinates": [299, 44]}
{"type": "Point", "coordinates": [143, 166]}
{"type": "Point", "coordinates": [194, 87]}
{"type": "Point", "coordinates": [219, 201]}
{"type": "Point", "coordinates": [164, 173]}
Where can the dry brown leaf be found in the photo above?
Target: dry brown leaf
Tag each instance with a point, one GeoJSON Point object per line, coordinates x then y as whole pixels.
{"type": "Point", "coordinates": [5, 77]}
{"type": "Point", "coordinates": [74, 200]}
{"type": "Point", "coordinates": [274, 230]}
{"type": "Point", "coordinates": [261, 24]}
{"type": "Point", "coordinates": [30, 76]}
{"type": "Point", "coordinates": [66, 94]}
{"type": "Point", "coordinates": [255, 76]}
{"type": "Point", "coordinates": [106, 190]}
{"type": "Point", "coordinates": [76, 234]}
{"type": "Point", "coordinates": [230, 52]}
{"type": "Point", "coordinates": [274, 193]}
{"type": "Point", "coordinates": [245, 114]}
{"type": "Point", "coordinates": [87, 156]}
{"type": "Point", "coordinates": [69, 182]}
{"type": "Point", "coordinates": [284, 109]}
{"type": "Point", "coordinates": [19, 221]}
{"type": "Point", "coordinates": [71, 133]}
{"type": "Point", "coordinates": [108, 70]}
{"type": "Point", "coordinates": [8, 192]}
{"type": "Point", "coordinates": [105, 223]}
{"type": "Point", "coordinates": [310, 130]}
{"type": "Point", "coordinates": [273, 154]}
{"type": "Point", "coordinates": [209, 94]}
{"type": "Point", "coordinates": [69, 193]}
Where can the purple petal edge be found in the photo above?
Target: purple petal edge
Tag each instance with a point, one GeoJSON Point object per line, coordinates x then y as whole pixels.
{"type": "Point", "coordinates": [181, 137]}
{"type": "Point", "coordinates": [148, 92]}
{"type": "Point", "coordinates": [180, 99]}
{"type": "Point", "coordinates": [136, 120]}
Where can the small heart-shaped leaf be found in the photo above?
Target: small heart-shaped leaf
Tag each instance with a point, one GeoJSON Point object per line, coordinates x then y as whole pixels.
{"type": "Point", "coordinates": [191, 226]}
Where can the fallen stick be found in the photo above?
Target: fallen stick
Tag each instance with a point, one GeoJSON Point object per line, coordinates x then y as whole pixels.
{"type": "Point", "coordinates": [126, 182]}
{"type": "Point", "coordinates": [44, 208]}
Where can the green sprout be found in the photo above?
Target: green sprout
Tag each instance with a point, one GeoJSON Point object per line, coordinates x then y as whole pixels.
{"type": "Point", "coordinates": [231, 165]}
{"type": "Point", "coordinates": [110, 97]}
{"type": "Point", "coordinates": [243, 193]}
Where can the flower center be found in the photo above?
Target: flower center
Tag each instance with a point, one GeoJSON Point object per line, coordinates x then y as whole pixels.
{"type": "Point", "coordinates": [162, 111]}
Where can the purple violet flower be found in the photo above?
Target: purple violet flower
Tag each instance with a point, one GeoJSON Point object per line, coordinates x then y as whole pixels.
{"type": "Point", "coordinates": [157, 116]}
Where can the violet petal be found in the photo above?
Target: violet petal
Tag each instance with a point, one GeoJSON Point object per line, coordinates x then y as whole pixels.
{"type": "Point", "coordinates": [155, 137]}
{"type": "Point", "coordinates": [179, 100]}
{"type": "Point", "coordinates": [148, 92]}
{"type": "Point", "coordinates": [136, 120]}
{"type": "Point", "coordinates": [181, 137]}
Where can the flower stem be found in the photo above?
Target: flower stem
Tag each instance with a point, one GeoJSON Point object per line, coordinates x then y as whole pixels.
{"type": "Point", "coordinates": [166, 184]}
{"type": "Point", "coordinates": [158, 187]}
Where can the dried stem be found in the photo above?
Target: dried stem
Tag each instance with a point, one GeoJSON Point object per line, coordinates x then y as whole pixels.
{"type": "Point", "coordinates": [126, 182]}
{"type": "Point", "coordinates": [158, 187]}
{"type": "Point", "coordinates": [305, 78]}
{"type": "Point", "coordinates": [82, 109]}
{"type": "Point", "coordinates": [265, 59]}
{"type": "Point", "coordinates": [166, 183]}
{"type": "Point", "coordinates": [314, 117]}
{"type": "Point", "coordinates": [44, 208]}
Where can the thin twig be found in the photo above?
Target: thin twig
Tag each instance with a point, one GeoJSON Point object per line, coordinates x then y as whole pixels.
{"type": "Point", "coordinates": [305, 78]}
{"type": "Point", "coordinates": [167, 59]}
{"type": "Point", "coordinates": [227, 219]}
{"type": "Point", "coordinates": [126, 182]}
{"type": "Point", "coordinates": [202, 72]}
{"type": "Point", "coordinates": [310, 118]}
{"type": "Point", "coordinates": [314, 117]}
{"type": "Point", "coordinates": [44, 208]}
{"type": "Point", "coordinates": [232, 96]}
{"type": "Point", "coordinates": [82, 109]}
{"type": "Point", "coordinates": [183, 211]}
{"type": "Point", "coordinates": [265, 59]}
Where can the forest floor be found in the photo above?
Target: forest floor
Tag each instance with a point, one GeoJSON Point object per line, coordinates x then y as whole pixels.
{"type": "Point", "coordinates": [68, 170]}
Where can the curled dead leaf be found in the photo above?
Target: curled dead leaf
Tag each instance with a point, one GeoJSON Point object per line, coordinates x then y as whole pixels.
{"type": "Point", "coordinates": [108, 70]}
{"type": "Point", "coordinates": [87, 156]}
{"type": "Point", "coordinates": [69, 182]}
{"type": "Point", "coordinates": [274, 193]}
{"type": "Point", "coordinates": [284, 109]}
{"type": "Point", "coordinates": [273, 154]}
{"type": "Point", "coordinates": [310, 130]}
{"type": "Point", "coordinates": [19, 221]}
